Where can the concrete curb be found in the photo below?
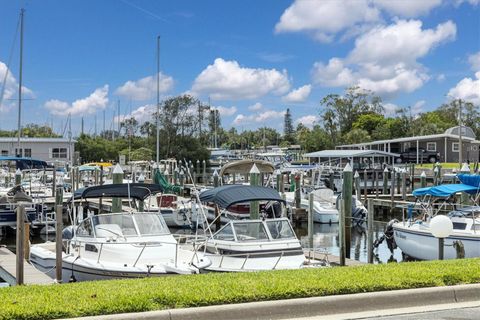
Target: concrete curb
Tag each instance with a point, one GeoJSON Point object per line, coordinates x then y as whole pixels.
{"type": "Point", "coordinates": [316, 306]}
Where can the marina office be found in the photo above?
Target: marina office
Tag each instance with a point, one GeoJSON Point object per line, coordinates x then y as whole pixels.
{"type": "Point", "coordinates": [47, 149]}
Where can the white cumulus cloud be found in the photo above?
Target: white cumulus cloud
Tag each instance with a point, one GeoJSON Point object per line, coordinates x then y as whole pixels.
{"type": "Point", "coordinates": [226, 111]}
{"type": "Point", "coordinates": [9, 91]}
{"type": "Point", "coordinates": [298, 95]}
{"type": "Point", "coordinates": [474, 60]}
{"type": "Point", "coordinates": [467, 89]}
{"type": "Point", "coordinates": [323, 19]}
{"type": "Point", "coordinates": [255, 107]}
{"type": "Point", "coordinates": [225, 80]}
{"type": "Point", "coordinates": [262, 117]}
{"type": "Point", "coordinates": [392, 67]}
{"type": "Point", "coordinates": [145, 88]}
{"type": "Point", "coordinates": [308, 121]}
{"type": "Point", "coordinates": [407, 8]}
{"type": "Point", "coordinates": [98, 100]}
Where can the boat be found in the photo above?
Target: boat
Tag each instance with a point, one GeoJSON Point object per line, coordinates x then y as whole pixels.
{"type": "Point", "coordinates": [324, 210]}
{"type": "Point", "coordinates": [413, 235]}
{"type": "Point", "coordinates": [9, 204]}
{"type": "Point", "coordinates": [118, 245]}
{"type": "Point", "coordinates": [176, 210]}
{"type": "Point", "coordinates": [251, 244]}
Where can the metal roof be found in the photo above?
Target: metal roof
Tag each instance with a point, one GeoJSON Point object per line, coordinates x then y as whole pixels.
{"type": "Point", "coordinates": [406, 139]}
{"type": "Point", "coordinates": [349, 154]}
{"type": "Point", "coordinates": [26, 139]}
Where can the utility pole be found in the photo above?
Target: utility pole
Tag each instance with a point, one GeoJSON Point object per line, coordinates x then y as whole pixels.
{"type": "Point", "coordinates": [20, 80]}
{"type": "Point", "coordinates": [158, 101]}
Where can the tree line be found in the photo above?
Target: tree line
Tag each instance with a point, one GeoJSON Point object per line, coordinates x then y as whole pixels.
{"type": "Point", "coordinates": [187, 127]}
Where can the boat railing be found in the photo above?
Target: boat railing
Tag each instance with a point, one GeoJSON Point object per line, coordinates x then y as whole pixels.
{"type": "Point", "coordinates": [143, 244]}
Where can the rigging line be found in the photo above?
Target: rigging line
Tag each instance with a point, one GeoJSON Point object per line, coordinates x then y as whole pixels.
{"type": "Point", "coordinates": [9, 62]}
{"type": "Point", "coordinates": [153, 15]}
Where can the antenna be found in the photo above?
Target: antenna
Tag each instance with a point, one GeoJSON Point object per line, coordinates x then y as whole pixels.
{"type": "Point", "coordinates": [158, 100]}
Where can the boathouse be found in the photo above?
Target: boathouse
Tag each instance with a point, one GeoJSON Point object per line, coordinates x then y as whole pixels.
{"type": "Point", "coordinates": [47, 149]}
{"type": "Point", "coordinates": [447, 145]}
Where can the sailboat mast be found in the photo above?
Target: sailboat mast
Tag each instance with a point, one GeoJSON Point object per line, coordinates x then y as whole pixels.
{"type": "Point", "coordinates": [20, 79]}
{"type": "Point", "coordinates": [158, 101]}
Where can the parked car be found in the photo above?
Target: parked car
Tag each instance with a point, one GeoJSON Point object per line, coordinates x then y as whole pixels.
{"type": "Point", "coordinates": [410, 155]}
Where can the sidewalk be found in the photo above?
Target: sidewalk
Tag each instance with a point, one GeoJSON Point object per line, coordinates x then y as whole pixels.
{"type": "Point", "coordinates": [316, 306]}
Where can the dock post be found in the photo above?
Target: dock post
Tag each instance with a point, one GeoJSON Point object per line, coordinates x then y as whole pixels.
{"type": "Point", "coordinates": [77, 178]}
{"type": "Point", "coordinates": [341, 231]}
{"type": "Point", "coordinates": [423, 180]}
{"type": "Point", "coordinates": [54, 180]}
{"type": "Point", "coordinates": [404, 185]}
{"type": "Point", "coordinates": [18, 177]}
{"type": "Point", "coordinates": [117, 178]}
{"type": "Point", "coordinates": [26, 240]}
{"type": "Point", "coordinates": [19, 244]}
{"type": "Point", "coordinates": [198, 172]}
{"type": "Point", "coordinates": [310, 221]}
{"type": "Point", "coordinates": [101, 175]}
{"type": "Point", "coordinates": [412, 178]}
{"type": "Point", "coordinates": [292, 182]}
{"type": "Point", "coordinates": [175, 176]}
{"type": "Point", "coordinates": [215, 179]}
{"type": "Point", "coordinates": [365, 190]}
{"type": "Point", "coordinates": [385, 181]}
{"type": "Point", "coordinates": [392, 190]}
{"type": "Point", "coordinates": [331, 179]}
{"type": "Point", "coordinates": [370, 218]}
{"type": "Point", "coordinates": [204, 178]}
{"type": "Point", "coordinates": [399, 182]}
{"type": "Point", "coordinates": [347, 205]}
{"type": "Point", "coordinates": [234, 178]}
{"type": "Point", "coordinates": [254, 181]}
{"type": "Point", "coordinates": [297, 190]}
{"type": "Point", "coordinates": [376, 184]}
{"type": "Point", "coordinates": [96, 176]}
{"type": "Point", "coordinates": [279, 177]}
{"type": "Point", "coordinates": [435, 176]}
{"type": "Point", "coordinates": [282, 183]}
{"type": "Point", "coordinates": [464, 196]}
{"type": "Point", "coordinates": [356, 179]}
{"type": "Point", "coordinates": [58, 234]}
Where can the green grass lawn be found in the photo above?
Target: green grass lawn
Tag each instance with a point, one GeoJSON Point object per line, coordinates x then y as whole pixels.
{"type": "Point", "coordinates": [117, 296]}
{"type": "Point", "coordinates": [431, 166]}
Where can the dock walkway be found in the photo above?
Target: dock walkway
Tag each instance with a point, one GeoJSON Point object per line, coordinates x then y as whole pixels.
{"type": "Point", "coordinates": [332, 259]}
{"type": "Point", "coordinates": [8, 270]}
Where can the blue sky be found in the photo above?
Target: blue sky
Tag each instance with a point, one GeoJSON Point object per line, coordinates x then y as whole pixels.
{"type": "Point", "coordinates": [252, 58]}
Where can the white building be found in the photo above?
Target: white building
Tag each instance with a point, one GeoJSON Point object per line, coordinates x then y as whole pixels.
{"type": "Point", "coordinates": [47, 149]}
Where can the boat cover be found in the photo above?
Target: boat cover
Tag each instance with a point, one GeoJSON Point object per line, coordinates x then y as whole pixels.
{"type": "Point", "coordinates": [227, 195]}
{"type": "Point", "coordinates": [244, 166]}
{"type": "Point", "coordinates": [470, 179]}
{"type": "Point", "coordinates": [446, 190]}
{"type": "Point", "coordinates": [138, 191]}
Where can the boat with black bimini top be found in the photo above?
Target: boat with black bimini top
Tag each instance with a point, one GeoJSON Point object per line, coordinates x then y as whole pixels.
{"type": "Point", "coordinates": [118, 245]}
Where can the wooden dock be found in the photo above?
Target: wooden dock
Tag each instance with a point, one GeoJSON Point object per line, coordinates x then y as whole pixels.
{"type": "Point", "coordinates": [8, 270]}
{"type": "Point", "coordinates": [330, 258]}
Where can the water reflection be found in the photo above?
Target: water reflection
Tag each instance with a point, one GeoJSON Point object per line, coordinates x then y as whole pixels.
{"type": "Point", "coordinates": [326, 237]}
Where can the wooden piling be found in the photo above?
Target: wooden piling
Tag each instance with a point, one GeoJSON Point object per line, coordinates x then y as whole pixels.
{"type": "Point", "coordinates": [26, 240]}
{"type": "Point", "coordinates": [298, 189]}
{"type": "Point", "coordinates": [370, 217]}
{"type": "Point", "coordinates": [356, 181]}
{"type": "Point", "coordinates": [376, 184]}
{"type": "Point", "coordinates": [19, 244]}
{"type": "Point", "coordinates": [310, 220]}
{"type": "Point", "coordinates": [254, 181]}
{"type": "Point", "coordinates": [385, 181]}
{"type": "Point", "coordinates": [347, 206]}
{"type": "Point", "coordinates": [117, 178]}
{"type": "Point", "coordinates": [404, 185]}
{"type": "Point", "coordinates": [365, 188]}
{"type": "Point", "coordinates": [215, 179]}
{"type": "Point", "coordinates": [423, 180]}
{"type": "Point", "coordinates": [204, 175]}
{"type": "Point", "coordinates": [58, 242]}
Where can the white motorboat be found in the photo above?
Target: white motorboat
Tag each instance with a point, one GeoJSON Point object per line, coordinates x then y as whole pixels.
{"type": "Point", "coordinates": [324, 211]}
{"type": "Point", "coordinates": [413, 236]}
{"type": "Point", "coordinates": [254, 245]}
{"type": "Point", "coordinates": [119, 245]}
{"type": "Point", "coordinates": [176, 210]}
{"type": "Point", "coordinates": [251, 244]}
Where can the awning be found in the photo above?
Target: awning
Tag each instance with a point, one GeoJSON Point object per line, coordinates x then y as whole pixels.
{"type": "Point", "coordinates": [227, 195]}
{"type": "Point", "coordinates": [138, 191]}
{"type": "Point", "coordinates": [244, 166]}
{"type": "Point", "coordinates": [446, 190]}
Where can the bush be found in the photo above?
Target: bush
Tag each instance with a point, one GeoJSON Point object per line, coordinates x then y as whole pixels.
{"type": "Point", "coordinates": [136, 295]}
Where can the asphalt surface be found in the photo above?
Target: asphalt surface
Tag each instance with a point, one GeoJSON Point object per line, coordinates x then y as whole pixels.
{"type": "Point", "coordinates": [455, 314]}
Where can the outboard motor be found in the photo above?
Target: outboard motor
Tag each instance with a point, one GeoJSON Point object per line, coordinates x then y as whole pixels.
{"type": "Point", "coordinates": [388, 236]}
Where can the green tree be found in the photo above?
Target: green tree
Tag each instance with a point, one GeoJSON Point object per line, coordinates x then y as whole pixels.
{"type": "Point", "coordinates": [288, 132]}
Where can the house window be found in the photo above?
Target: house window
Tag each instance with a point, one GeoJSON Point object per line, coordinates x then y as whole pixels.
{"type": "Point", "coordinates": [455, 147]}
{"type": "Point", "coordinates": [27, 153]}
{"type": "Point", "coordinates": [59, 153]}
{"type": "Point", "coordinates": [431, 146]}
{"type": "Point", "coordinates": [4, 152]}
{"type": "Point", "coordinates": [18, 152]}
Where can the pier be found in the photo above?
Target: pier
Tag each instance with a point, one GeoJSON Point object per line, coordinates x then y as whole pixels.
{"type": "Point", "coordinates": [8, 270]}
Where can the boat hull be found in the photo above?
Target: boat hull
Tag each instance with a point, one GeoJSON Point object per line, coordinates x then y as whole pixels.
{"type": "Point", "coordinates": [420, 244]}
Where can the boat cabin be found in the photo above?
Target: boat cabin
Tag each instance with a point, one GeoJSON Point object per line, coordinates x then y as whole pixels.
{"type": "Point", "coordinates": [256, 230]}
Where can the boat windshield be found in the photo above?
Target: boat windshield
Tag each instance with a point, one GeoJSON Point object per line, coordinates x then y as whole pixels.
{"type": "Point", "coordinates": [280, 229]}
{"type": "Point", "coordinates": [250, 231]}
{"type": "Point", "coordinates": [124, 225]}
